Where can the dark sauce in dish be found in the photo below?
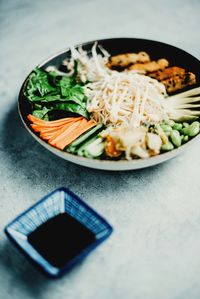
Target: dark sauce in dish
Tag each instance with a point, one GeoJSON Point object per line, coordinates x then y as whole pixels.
{"type": "Point", "coordinates": [60, 239]}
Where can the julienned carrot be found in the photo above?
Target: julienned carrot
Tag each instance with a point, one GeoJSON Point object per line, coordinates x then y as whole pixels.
{"type": "Point", "coordinates": [50, 125]}
{"type": "Point", "coordinates": [44, 126]}
{"type": "Point", "coordinates": [37, 128]}
{"type": "Point", "coordinates": [66, 140]}
{"type": "Point", "coordinates": [46, 136]}
{"type": "Point", "coordinates": [62, 132]}
{"type": "Point", "coordinates": [47, 130]}
{"type": "Point", "coordinates": [66, 135]}
{"type": "Point", "coordinates": [72, 128]}
{"type": "Point", "coordinates": [49, 133]}
{"type": "Point", "coordinates": [51, 130]}
{"type": "Point", "coordinates": [47, 124]}
{"type": "Point", "coordinates": [36, 120]}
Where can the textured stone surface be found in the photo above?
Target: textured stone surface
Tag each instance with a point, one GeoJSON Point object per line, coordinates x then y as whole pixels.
{"type": "Point", "coordinates": [154, 250]}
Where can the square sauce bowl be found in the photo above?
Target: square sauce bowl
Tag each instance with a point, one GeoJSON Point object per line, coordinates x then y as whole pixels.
{"type": "Point", "coordinates": [58, 231]}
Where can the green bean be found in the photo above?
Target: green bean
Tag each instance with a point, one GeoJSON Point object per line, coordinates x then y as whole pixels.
{"type": "Point", "coordinates": [193, 129]}
{"type": "Point", "coordinates": [175, 138]}
{"type": "Point", "coordinates": [177, 126]}
{"type": "Point", "coordinates": [167, 146]}
{"type": "Point", "coordinates": [170, 122]}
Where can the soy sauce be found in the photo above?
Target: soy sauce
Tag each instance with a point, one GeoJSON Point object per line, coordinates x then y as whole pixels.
{"type": "Point", "coordinates": [60, 239]}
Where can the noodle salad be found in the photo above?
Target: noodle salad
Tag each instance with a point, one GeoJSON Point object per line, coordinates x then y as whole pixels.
{"type": "Point", "coordinates": [113, 107]}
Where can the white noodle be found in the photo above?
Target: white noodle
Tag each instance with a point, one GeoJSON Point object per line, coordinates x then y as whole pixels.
{"type": "Point", "coordinates": [123, 101]}
{"type": "Point", "coordinates": [135, 98]}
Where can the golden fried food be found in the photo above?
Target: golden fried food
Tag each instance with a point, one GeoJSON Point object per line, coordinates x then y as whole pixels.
{"type": "Point", "coordinates": [168, 73]}
{"type": "Point", "coordinates": [179, 82]}
{"type": "Point", "coordinates": [151, 66]}
{"type": "Point", "coordinates": [125, 60]}
{"type": "Point", "coordinates": [174, 78]}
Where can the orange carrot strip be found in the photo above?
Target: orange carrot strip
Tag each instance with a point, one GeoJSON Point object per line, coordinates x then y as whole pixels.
{"type": "Point", "coordinates": [64, 128]}
{"type": "Point", "coordinates": [81, 122]}
{"type": "Point", "coordinates": [48, 130]}
{"type": "Point", "coordinates": [58, 132]}
{"type": "Point", "coordinates": [46, 136]}
{"type": "Point", "coordinates": [62, 120]}
{"type": "Point", "coordinates": [63, 133]}
{"type": "Point", "coordinates": [51, 130]}
{"type": "Point", "coordinates": [54, 134]}
{"type": "Point", "coordinates": [37, 128]}
{"type": "Point", "coordinates": [39, 121]}
{"type": "Point", "coordinates": [67, 139]}
{"type": "Point", "coordinates": [53, 125]}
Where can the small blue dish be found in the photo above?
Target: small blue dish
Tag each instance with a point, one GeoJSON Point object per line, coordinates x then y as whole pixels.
{"type": "Point", "coordinates": [61, 201]}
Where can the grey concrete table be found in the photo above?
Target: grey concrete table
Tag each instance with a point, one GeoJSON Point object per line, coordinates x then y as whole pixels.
{"type": "Point", "coordinates": [154, 250]}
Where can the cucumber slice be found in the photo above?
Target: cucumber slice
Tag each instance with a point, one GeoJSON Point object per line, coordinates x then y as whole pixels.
{"type": "Point", "coordinates": [92, 149]}
{"type": "Point", "coordinates": [72, 148]}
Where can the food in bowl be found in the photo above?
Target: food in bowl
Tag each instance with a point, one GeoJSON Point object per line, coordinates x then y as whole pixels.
{"type": "Point", "coordinates": [124, 106]}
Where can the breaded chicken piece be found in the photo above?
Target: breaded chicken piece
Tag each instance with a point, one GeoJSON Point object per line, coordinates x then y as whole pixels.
{"type": "Point", "coordinates": [168, 73]}
{"type": "Point", "coordinates": [177, 82]}
{"type": "Point", "coordinates": [124, 60]}
{"type": "Point", "coordinates": [151, 66]}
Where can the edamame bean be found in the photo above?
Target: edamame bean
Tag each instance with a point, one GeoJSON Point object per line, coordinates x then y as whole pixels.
{"type": "Point", "coordinates": [167, 133]}
{"type": "Point", "coordinates": [185, 138]}
{"type": "Point", "coordinates": [177, 126]}
{"type": "Point", "coordinates": [170, 122]}
{"type": "Point", "coordinates": [175, 138]}
{"type": "Point", "coordinates": [185, 125]}
{"type": "Point", "coordinates": [167, 146]}
{"type": "Point", "coordinates": [166, 128]}
{"type": "Point", "coordinates": [184, 131]}
{"type": "Point", "coordinates": [193, 129]}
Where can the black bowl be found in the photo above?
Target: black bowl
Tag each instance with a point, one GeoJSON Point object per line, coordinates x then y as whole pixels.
{"type": "Point", "coordinates": [156, 50]}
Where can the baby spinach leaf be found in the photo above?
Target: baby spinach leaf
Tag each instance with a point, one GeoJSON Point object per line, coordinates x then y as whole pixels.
{"type": "Point", "coordinates": [41, 113]}
{"type": "Point", "coordinates": [65, 85]}
{"type": "Point", "coordinates": [72, 107]}
{"type": "Point", "coordinates": [60, 92]}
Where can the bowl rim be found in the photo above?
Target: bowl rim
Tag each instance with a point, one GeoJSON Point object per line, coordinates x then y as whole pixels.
{"type": "Point", "coordinates": [112, 165]}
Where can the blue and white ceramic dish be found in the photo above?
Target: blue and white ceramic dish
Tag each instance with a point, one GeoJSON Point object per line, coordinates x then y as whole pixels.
{"type": "Point", "coordinates": [59, 201]}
